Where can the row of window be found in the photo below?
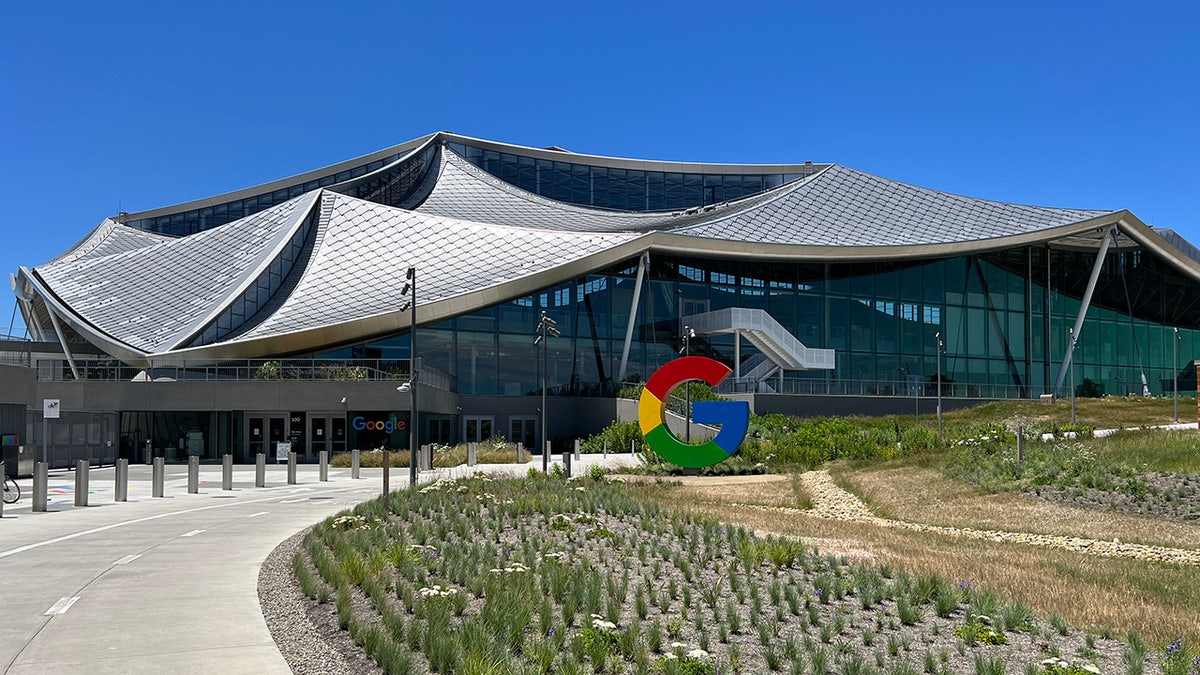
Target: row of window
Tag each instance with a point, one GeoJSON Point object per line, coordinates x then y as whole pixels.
{"type": "Point", "coordinates": [198, 220]}
{"type": "Point", "coordinates": [612, 188]}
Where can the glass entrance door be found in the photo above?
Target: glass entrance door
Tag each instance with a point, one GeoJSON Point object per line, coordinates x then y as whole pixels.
{"type": "Point", "coordinates": [318, 435]}
{"type": "Point", "coordinates": [264, 432]}
{"type": "Point", "coordinates": [477, 429]}
{"type": "Point", "coordinates": [523, 430]}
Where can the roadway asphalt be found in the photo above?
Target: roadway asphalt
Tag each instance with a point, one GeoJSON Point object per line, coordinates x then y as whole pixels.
{"type": "Point", "coordinates": [167, 584]}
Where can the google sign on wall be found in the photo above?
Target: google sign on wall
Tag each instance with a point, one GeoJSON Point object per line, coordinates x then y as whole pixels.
{"type": "Point", "coordinates": [733, 416]}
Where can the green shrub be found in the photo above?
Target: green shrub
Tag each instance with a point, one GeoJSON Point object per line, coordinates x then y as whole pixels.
{"type": "Point", "coordinates": [619, 437]}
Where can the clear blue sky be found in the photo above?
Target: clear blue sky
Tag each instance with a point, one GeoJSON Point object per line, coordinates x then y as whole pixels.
{"type": "Point", "coordinates": [107, 106]}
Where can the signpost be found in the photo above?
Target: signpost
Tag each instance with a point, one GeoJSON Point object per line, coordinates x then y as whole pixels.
{"type": "Point", "coordinates": [282, 450]}
{"type": "Point", "coordinates": [50, 410]}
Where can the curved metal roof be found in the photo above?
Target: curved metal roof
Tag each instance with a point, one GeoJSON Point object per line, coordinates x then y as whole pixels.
{"type": "Point", "coordinates": [478, 240]}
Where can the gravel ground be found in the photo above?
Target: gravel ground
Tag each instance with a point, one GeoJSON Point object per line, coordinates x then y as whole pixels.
{"type": "Point", "coordinates": [306, 632]}
{"type": "Point", "coordinates": [831, 501]}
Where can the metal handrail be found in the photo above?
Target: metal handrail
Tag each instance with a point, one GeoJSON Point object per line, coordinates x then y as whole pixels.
{"type": "Point", "coordinates": [261, 370]}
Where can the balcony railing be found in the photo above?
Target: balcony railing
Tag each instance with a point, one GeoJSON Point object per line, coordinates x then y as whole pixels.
{"type": "Point", "coordinates": [260, 370]}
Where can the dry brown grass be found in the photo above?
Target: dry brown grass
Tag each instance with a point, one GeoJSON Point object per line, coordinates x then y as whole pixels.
{"type": "Point", "coordinates": [1110, 412]}
{"type": "Point", "coordinates": [1153, 599]}
{"type": "Point", "coordinates": [925, 495]}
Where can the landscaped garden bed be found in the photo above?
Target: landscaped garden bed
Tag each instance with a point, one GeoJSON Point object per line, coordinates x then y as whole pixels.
{"type": "Point", "coordinates": [545, 575]}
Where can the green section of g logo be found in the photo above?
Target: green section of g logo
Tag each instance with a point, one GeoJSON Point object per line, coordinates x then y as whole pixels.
{"type": "Point", "coordinates": [733, 416]}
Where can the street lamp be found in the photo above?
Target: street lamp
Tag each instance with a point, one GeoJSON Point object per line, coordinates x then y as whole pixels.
{"type": "Point", "coordinates": [688, 334]}
{"type": "Point", "coordinates": [1175, 373]}
{"type": "Point", "coordinates": [546, 328]}
{"type": "Point", "coordinates": [410, 285]}
{"type": "Point", "coordinates": [1071, 333]}
{"type": "Point", "coordinates": [938, 338]}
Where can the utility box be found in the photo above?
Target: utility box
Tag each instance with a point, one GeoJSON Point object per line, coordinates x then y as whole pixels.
{"type": "Point", "coordinates": [18, 461]}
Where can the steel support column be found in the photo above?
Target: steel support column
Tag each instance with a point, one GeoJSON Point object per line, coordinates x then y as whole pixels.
{"type": "Point", "coordinates": [643, 263]}
{"type": "Point", "coordinates": [1068, 358]}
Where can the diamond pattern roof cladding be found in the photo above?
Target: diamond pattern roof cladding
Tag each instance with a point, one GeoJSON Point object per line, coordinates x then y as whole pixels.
{"type": "Point", "coordinates": [358, 271]}
{"type": "Point", "coordinates": [466, 192]}
{"type": "Point", "coordinates": [151, 296]}
{"type": "Point", "coordinates": [108, 238]}
{"type": "Point", "coordinates": [844, 207]}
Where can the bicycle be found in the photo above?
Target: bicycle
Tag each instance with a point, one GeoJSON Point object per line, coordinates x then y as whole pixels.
{"type": "Point", "coordinates": [12, 491]}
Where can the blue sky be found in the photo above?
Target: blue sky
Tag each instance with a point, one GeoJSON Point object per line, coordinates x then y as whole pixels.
{"type": "Point", "coordinates": [108, 106]}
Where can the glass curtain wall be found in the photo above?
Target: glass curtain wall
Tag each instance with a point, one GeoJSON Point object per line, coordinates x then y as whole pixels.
{"type": "Point", "coordinates": [1004, 329]}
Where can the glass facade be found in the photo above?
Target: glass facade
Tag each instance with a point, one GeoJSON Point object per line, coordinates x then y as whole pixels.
{"type": "Point", "coordinates": [614, 188]}
{"type": "Point", "coordinates": [390, 187]}
{"type": "Point", "coordinates": [1003, 318]}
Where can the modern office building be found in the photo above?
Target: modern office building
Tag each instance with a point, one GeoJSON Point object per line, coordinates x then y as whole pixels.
{"type": "Point", "coordinates": [285, 311]}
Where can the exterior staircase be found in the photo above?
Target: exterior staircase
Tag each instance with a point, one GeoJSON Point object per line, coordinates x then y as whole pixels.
{"type": "Point", "coordinates": [778, 348]}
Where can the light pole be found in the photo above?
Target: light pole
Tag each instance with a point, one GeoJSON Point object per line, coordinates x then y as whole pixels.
{"type": "Point", "coordinates": [1071, 333]}
{"type": "Point", "coordinates": [938, 339]}
{"type": "Point", "coordinates": [410, 286]}
{"type": "Point", "coordinates": [546, 328]}
{"type": "Point", "coordinates": [1175, 372]}
{"type": "Point", "coordinates": [688, 334]}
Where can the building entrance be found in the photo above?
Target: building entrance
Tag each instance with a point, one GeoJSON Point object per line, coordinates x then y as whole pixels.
{"type": "Point", "coordinates": [523, 430]}
{"type": "Point", "coordinates": [326, 432]}
{"type": "Point", "coordinates": [265, 431]}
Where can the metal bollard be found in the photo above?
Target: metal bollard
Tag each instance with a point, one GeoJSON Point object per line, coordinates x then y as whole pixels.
{"type": "Point", "coordinates": [39, 486]}
{"type": "Point", "coordinates": [472, 454]}
{"type": "Point", "coordinates": [193, 474]}
{"type": "Point", "coordinates": [291, 470]}
{"type": "Point", "coordinates": [354, 463]}
{"type": "Point", "coordinates": [81, 482]}
{"type": "Point", "coordinates": [387, 472]}
{"type": "Point", "coordinates": [428, 456]}
{"type": "Point", "coordinates": [1020, 444]}
{"type": "Point", "coordinates": [227, 472]}
{"type": "Point", "coordinates": [520, 453]}
{"type": "Point", "coordinates": [576, 448]}
{"type": "Point", "coordinates": [121, 489]}
{"type": "Point", "coordinates": [323, 457]}
{"type": "Point", "coordinates": [567, 460]}
{"type": "Point", "coordinates": [160, 472]}
{"type": "Point", "coordinates": [260, 470]}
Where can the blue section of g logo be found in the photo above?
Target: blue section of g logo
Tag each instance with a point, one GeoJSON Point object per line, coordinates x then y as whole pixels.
{"type": "Point", "coordinates": [733, 416]}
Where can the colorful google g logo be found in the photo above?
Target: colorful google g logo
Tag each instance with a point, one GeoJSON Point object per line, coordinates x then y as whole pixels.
{"type": "Point", "coordinates": [733, 416]}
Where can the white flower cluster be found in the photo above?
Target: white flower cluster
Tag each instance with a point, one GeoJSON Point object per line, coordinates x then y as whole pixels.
{"type": "Point", "coordinates": [436, 591]}
{"type": "Point", "coordinates": [487, 496]}
{"type": "Point", "coordinates": [557, 556]}
{"type": "Point", "coordinates": [615, 479]}
{"type": "Point", "coordinates": [1056, 662]}
{"type": "Point", "coordinates": [437, 486]}
{"type": "Point", "coordinates": [352, 522]}
{"type": "Point", "coordinates": [581, 489]}
{"type": "Point", "coordinates": [510, 569]}
{"type": "Point", "coordinates": [422, 547]}
{"type": "Point", "coordinates": [599, 622]}
{"type": "Point", "coordinates": [561, 518]}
